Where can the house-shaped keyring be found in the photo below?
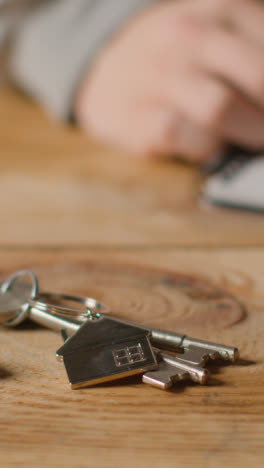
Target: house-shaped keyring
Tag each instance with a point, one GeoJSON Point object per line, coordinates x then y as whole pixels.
{"type": "Point", "coordinates": [106, 349]}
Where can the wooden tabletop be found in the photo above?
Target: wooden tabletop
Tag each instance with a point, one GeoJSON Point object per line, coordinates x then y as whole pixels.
{"type": "Point", "coordinates": [135, 234]}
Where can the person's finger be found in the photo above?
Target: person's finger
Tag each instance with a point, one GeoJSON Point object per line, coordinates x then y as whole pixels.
{"type": "Point", "coordinates": [246, 16]}
{"type": "Point", "coordinates": [220, 51]}
{"type": "Point", "coordinates": [234, 59]}
{"type": "Point", "coordinates": [217, 110]}
{"type": "Point", "coordinates": [201, 98]}
{"type": "Point", "coordinates": [194, 143]}
{"type": "Point", "coordinates": [167, 132]}
{"type": "Point", "coordinates": [244, 124]}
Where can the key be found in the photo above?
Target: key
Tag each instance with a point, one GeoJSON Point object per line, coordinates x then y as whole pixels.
{"type": "Point", "coordinates": [199, 352]}
{"type": "Point", "coordinates": [196, 351]}
{"type": "Point", "coordinates": [166, 375]}
{"type": "Point", "coordinates": [172, 370]}
{"type": "Point", "coordinates": [197, 355]}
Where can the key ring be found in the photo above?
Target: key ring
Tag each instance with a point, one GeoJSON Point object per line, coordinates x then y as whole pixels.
{"type": "Point", "coordinates": [43, 302]}
{"type": "Point", "coordinates": [6, 285]}
{"type": "Point", "coordinates": [93, 308]}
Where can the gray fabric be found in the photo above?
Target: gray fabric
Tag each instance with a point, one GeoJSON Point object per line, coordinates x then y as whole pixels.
{"type": "Point", "coordinates": [11, 12]}
{"type": "Point", "coordinates": [57, 40]}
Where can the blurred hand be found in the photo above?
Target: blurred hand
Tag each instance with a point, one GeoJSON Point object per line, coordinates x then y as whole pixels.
{"type": "Point", "coordinates": [184, 78]}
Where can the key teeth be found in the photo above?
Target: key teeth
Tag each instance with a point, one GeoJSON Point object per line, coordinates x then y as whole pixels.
{"type": "Point", "coordinates": [215, 355]}
{"type": "Point", "coordinates": [204, 360]}
{"type": "Point", "coordinates": [156, 383]}
{"type": "Point", "coordinates": [231, 356]}
{"type": "Point", "coordinates": [200, 377]}
{"type": "Point", "coordinates": [200, 359]}
{"type": "Point", "coordinates": [192, 354]}
{"type": "Point", "coordinates": [204, 377]}
{"type": "Point", "coordinates": [147, 379]}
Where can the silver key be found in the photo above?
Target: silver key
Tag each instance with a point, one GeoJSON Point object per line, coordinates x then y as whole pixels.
{"type": "Point", "coordinates": [194, 351]}
{"type": "Point", "coordinates": [165, 376]}
{"type": "Point", "coordinates": [172, 370]}
{"type": "Point", "coordinates": [199, 352]}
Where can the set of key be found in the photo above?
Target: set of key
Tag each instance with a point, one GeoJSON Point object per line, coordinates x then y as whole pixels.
{"type": "Point", "coordinates": [100, 348]}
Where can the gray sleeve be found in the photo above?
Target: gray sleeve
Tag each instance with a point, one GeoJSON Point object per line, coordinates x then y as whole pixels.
{"type": "Point", "coordinates": [56, 42]}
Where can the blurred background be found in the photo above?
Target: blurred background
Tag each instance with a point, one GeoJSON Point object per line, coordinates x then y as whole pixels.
{"type": "Point", "coordinates": [61, 187]}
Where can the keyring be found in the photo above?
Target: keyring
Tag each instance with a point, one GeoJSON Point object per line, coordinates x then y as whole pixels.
{"type": "Point", "coordinates": [93, 308]}
{"type": "Point", "coordinates": [6, 285]}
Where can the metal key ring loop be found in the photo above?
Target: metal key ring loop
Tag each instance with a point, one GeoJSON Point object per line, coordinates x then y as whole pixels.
{"type": "Point", "coordinates": [93, 307]}
{"type": "Point", "coordinates": [6, 285]}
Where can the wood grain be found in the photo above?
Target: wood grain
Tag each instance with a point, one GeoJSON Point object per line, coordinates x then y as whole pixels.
{"type": "Point", "coordinates": [44, 423]}
{"type": "Point", "coordinates": [54, 178]}
{"type": "Point", "coordinates": [90, 220]}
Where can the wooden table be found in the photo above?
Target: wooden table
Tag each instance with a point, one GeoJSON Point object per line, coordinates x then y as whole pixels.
{"type": "Point", "coordinates": [132, 233]}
